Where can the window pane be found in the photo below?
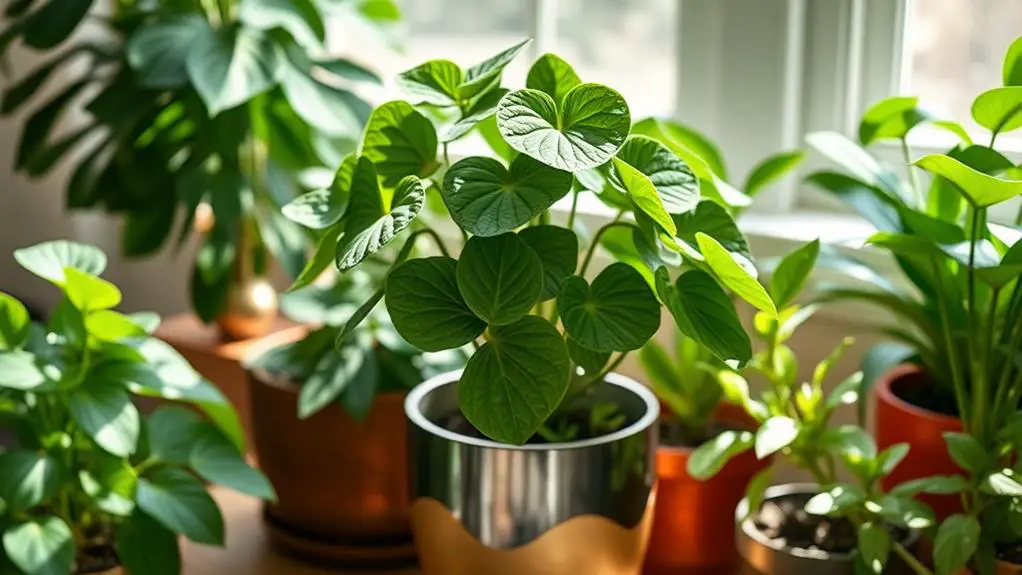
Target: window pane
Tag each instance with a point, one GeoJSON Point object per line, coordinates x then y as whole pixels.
{"type": "Point", "coordinates": [956, 49]}
{"type": "Point", "coordinates": [629, 45]}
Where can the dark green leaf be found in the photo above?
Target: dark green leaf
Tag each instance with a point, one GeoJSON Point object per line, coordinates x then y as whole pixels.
{"type": "Point", "coordinates": [426, 306]}
{"type": "Point", "coordinates": [284, 240]}
{"type": "Point", "coordinates": [673, 179]}
{"type": "Point", "coordinates": [591, 361]}
{"type": "Point", "coordinates": [552, 75]}
{"type": "Point", "coordinates": [331, 110]}
{"type": "Point", "coordinates": [771, 169]}
{"type": "Point", "coordinates": [352, 361]}
{"type": "Point", "coordinates": [145, 546]}
{"type": "Point", "coordinates": [485, 75]}
{"type": "Point", "coordinates": [324, 255]}
{"type": "Point", "coordinates": [40, 546]}
{"type": "Point", "coordinates": [231, 66]}
{"type": "Point", "coordinates": [28, 478]}
{"type": "Point", "coordinates": [158, 52]}
{"type": "Point", "coordinates": [348, 70]}
{"type": "Point", "coordinates": [792, 273]}
{"type": "Point", "coordinates": [179, 502]}
{"type": "Point", "coordinates": [704, 312]}
{"type": "Point", "coordinates": [710, 457]}
{"type": "Point", "coordinates": [17, 94]}
{"type": "Point", "coordinates": [33, 151]}
{"type": "Point", "coordinates": [483, 109]}
{"type": "Point", "coordinates": [714, 220]}
{"type": "Point", "coordinates": [300, 18]}
{"type": "Point", "coordinates": [53, 22]}
{"type": "Point", "coordinates": [874, 546]}
{"type": "Point", "coordinates": [171, 433]}
{"type": "Point", "coordinates": [500, 277]}
{"type": "Point", "coordinates": [956, 542]}
{"type": "Point", "coordinates": [401, 142]}
{"type": "Point", "coordinates": [218, 461]}
{"type": "Point", "coordinates": [557, 249]}
{"type": "Point", "coordinates": [936, 485]}
{"type": "Point", "coordinates": [104, 411]}
{"type": "Point", "coordinates": [618, 312]}
{"type": "Point", "coordinates": [966, 451]}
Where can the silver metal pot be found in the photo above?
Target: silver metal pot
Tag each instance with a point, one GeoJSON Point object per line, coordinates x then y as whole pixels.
{"type": "Point", "coordinates": [548, 509]}
{"type": "Point", "coordinates": [768, 557]}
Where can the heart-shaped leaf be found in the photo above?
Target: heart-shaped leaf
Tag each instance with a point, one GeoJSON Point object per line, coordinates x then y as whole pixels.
{"type": "Point", "coordinates": [736, 277]}
{"type": "Point", "coordinates": [104, 411]}
{"type": "Point", "coordinates": [89, 293]}
{"type": "Point", "coordinates": [435, 82]}
{"type": "Point", "coordinates": [28, 478]}
{"type": "Point", "coordinates": [14, 322]}
{"type": "Point", "coordinates": [999, 110]}
{"type": "Point", "coordinates": [644, 195]}
{"type": "Point", "coordinates": [48, 260]}
{"type": "Point", "coordinates": [515, 381]}
{"type": "Point", "coordinates": [552, 75]}
{"type": "Point", "coordinates": [368, 228]}
{"type": "Point", "coordinates": [1012, 73]}
{"type": "Point", "coordinates": [557, 249]}
{"type": "Point", "coordinates": [979, 189]}
{"type": "Point", "coordinates": [674, 181]}
{"type": "Point", "coordinates": [714, 220]}
{"type": "Point", "coordinates": [500, 277]}
{"type": "Point", "coordinates": [705, 313]}
{"type": "Point", "coordinates": [426, 306]}
{"type": "Point", "coordinates": [591, 361]}
{"type": "Point", "coordinates": [590, 127]}
{"type": "Point", "coordinates": [618, 312]}
{"type": "Point", "coordinates": [485, 75]}
{"type": "Point", "coordinates": [891, 118]}
{"type": "Point", "coordinates": [401, 142]}
{"type": "Point", "coordinates": [179, 502]}
{"type": "Point", "coordinates": [41, 546]}
{"type": "Point", "coordinates": [230, 66]}
{"type": "Point", "coordinates": [487, 199]}
{"type": "Point", "coordinates": [158, 52]}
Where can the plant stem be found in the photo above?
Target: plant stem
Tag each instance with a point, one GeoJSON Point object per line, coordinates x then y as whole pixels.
{"type": "Point", "coordinates": [438, 240]}
{"type": "Point", "coordinates": [596, 241]}
{"type": "Point", "coordinates": [1018, 218]}
{"type": "Point", "coordinates": [991, 345]}
{"type": "Point", "coordinates": [574, 208]}
{"type": "Point", "coordinates": [952, 351]}
{"type": "Point", "coordinates": [912, 173]}
{"type": "Point", "coordinates": [978, 378]}
{"type": "Point", "coordinates": [910, 560]}
{"type": "Point", "coordinates": [993, 138]}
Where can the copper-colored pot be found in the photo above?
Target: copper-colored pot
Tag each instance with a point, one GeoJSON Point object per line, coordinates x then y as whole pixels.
{"type": "Point", "coordinates": [112, 571]}
{"type": "Point", "coordinates": [694, 522]}
{"type": "Point", "coordinates": [898, 421]}
{"type": "Point", "coordinates": [338, 480]}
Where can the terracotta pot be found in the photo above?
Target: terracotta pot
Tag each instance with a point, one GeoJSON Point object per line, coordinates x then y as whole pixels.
{"type": "Point", "coordinates": [898, 421]}
{"type": "Point", "coordinates": [694, 522]}
{"type": "Point", "coordinates": [342, 485]}
{"type": "Point", "coordinates": [1005, 568]}
{"type": "Point", "coordinates": [112, 571]}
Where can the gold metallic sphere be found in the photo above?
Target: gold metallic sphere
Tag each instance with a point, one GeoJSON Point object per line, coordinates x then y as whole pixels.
{"type": "Point", "coordinates": [251, 309]}
{"type": "Point", "coordinates": [204, 218]}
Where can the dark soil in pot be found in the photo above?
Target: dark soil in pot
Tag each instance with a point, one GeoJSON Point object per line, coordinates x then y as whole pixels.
{"type": "Point", "coordinates": [674, 434]}
{"type": "Point", "coordinates": [578, 419]}
{"type": "Point", "coordinates": [926, 395]}
{"type": "Point", "coordinates": [96, 559]}
{"type": "Point", "coordinates": [1010, 552]}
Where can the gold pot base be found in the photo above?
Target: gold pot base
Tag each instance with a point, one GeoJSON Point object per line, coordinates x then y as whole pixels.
{"type": "Point", "coordinates": [589, 544]}
{"type": "Point", "coordinates": [368, 554]}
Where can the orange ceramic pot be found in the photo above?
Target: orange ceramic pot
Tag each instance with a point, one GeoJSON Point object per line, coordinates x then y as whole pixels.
{"type": "Point", "coordinates": [694, 524]}
{"type": "Point", "coordinates": [898, 421]}
{"type": "Point", "coordinates": [342, 485]}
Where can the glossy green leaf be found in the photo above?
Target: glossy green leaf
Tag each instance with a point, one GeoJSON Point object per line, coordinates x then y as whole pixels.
{"type": "Point", "coordinates": [401, 142]}
{"type": "Point", "coordinates": [516, 380]}
{"type": "Point", "coordinates": [426, 306]}
{"type": "Point", "coordinates": [1004, 482]}
{"type": "Point", "coordinates": [109, 325]}
{"type": "Point", "coordinates": [1012, 72]}
{"type": "Point", "coordinates": [966, 451]}
{"type": "Point", "coordinates": [674, 181]}
{"type": "Point", "coordinates": [485, 75]}
{"type": "Point", "coordinates": [552, 75]}
{"type": "Point", "coordinates": [171, 432]}
{"type": "Point", "coordinates": [105, 412]}
{"type": "Point", "coordinates": [500, 277]}
{"type": "Point", "coordinates": [677, 137]}
{"type": "Point", "coordinates": [483, 109]}
{"type": "Point", "coordinates": [771, 169]}
{"type": "Point", "coordinates": [435, 82]}
{"type": "Point", "coordinates": [145, 546]}
{"type": "Point", "coordinates": [231, 66]}
{"type": "Point", "coordinates": [19, 370]}
{"type": "Point", "coordinates": [14, 321]}
{"type": "Point", "coordinates": [40, 546]}
{"type": "Point", "coordinates": [333, 111]}
{"type": "Point", "coordinates": [999, 110]}
{"type": "Point", "coordinates": [557, 249]}
{"type": "Point", "coordinates": [218, 461]}
{"type": "Point", "coordinates": [705, 313]}
{"type": "Point", "coordinates": [88, 292]}
{"type": "Point", "coordinates": [709, 458]}
{"type": "Point", "coordinates": [981, 190]}
{"type": "Point", "coordinates": [352, 361]}
{"type": "Point", "coordinates": [935, 485]}
{"type": "Point", "coordinates": [110, 482]}
{"type": "Point", "coordinates": [956, 542]}
{"type": "Point", "coordinates": [588, 129]}
{"type": "Point", "coordinates": [644, 194]}
{"type": "Point", "coordinates": [179, 502]}
{"type": "Point", "coordinates": [28, 478]}
{"type": "Point", "coordinates": [618, 312]}
{"type": "Point", "coordinates": [892, 117]}
{"type": "Point", "coordinates": [714, 220]}
{"type": "Point", "coordinates": [300, 18]}
{"type": "Point", "coordinates": [53, 22]}
{"type": "Point", "coordinates": [857, 162]}
{"type": "Point", "coordinates": [487, 199]}
{"type": "Point", "coordinates": [792, 273]}
{"type": "Point", "coordinates": [158, 52]}
{"type": "Point", "coordinates": [317, 209]}
{"type": "Point", "coordinates": [733, 275]}
{"type": "Point", "coordinates": [835, 500]}
{"type": "Point", "coordinates": [591, 361]}
{"type": "Point", "coordinates": [775, 434]}
{"type": "Point", "coordinates": [874, 546]}
{"type": "Point", "coordinates": [49, 259]}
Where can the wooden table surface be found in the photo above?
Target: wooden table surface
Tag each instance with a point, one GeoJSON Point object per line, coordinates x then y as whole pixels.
{"type": "Point", "coordinates": [248, 551]}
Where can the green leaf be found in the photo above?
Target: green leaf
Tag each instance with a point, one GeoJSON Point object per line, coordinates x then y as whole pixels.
{"type": "Point", "coordinates": [705, 313]}
{"type": "Point", "coordinates": [158, 52]}
{"type": "Point", "coordinates": [591, 361]}
{"type": "Point", "coordinates": [48, 260]}
{"type": "Point", "coordinates": [1004, 482]}
{"type": "Point", "coordinates": [772, 168]}
{"type": "Point", "coordinates": [333, 111]}
{"type": "Point", "coordinates": [88, 292]}
{"type": "Point", "coordinates": [552, 75]}
{"type": "Point", "coordinates": [104, 411]}
{"type": "Point", "coordinates": [486, 199]}
{"type": "Point", "coordinates": [435, 82]}
{"type": "Point", "coordinates": [1013, 64]}
{"type": "Point", "coordinates": [775, 434]}
{"type": "Point", "coordinates": [978, 188]}
{"type": "Point", "coordinates": [500, 277]}
{"type": "Point", "coordinates": [109, 325]}
{"type": "Point", "coordinates": [792, 273]}
{"type": "Point", "coordinates": [379, 11]}
{"type": "Point", "coordinates": [36, 155]}
{"type": "Point", "coordinates": [857, 161]}
{"type": "Point", "coordinates": [874, 546]}
{"type": "Point", "coordinates": [40, 546]}
{"type": "Point", "coordinates": [171, 432]}
{"type": "Point", "coordinates": [231, 66]}
{"type": "Point", "coordinates": [401, 142]}
{"type": "Point", "coordinates": [891, 118]}
{"type": "Point", "coordinates": [347, 69]}
{"type": "Point", "coordinates": [870, 203]}
{"type": "Point", "coordinates": [956, 542]}
{"type": "Point", "coordinates": [644, 194]}
{"type": "Point", "coordinates": [426, 306]}
{"type": "Point", "coordinates": [318, 209]}
{"type": "Point", "coordinates": [28, 478]}
{"type": "Point", "coordinates": [513, 383]}
{"type": "Point", "coordinates": [618, 312]}
{"type": "Point", "coordinates": [936, 485]}
{"type": "Point", "coordinates": [709, 458]}
{"type": "Point", "coordinates": [300, 18]}
{"type": "Point", "coordinates": [966, 451]}
{"type": "Point", "coordinates": [18, 370]}
{"type": "Point", "coordinates": [847, 392]}
{"type": "Point", "coordinates": [714, 220]}
{"type": "Point", "coordinates": [854, 447]}
{"type": "Point", "coordinates": [686, 142]}
{"type": "Point", "coordinates": [733, 275]}
{"type": "Point", "coordinates": [179, 502]}
{"type": "Point", "coordinates": [486, 75]}
{"type": "Point", "coordinates": [590, 127]}
{"type": "Point", "coordinates": [368, 227]}
{"type": "Point", "coordinates": [351, 362]}
{"type": "Point", "coordinates": [324, 255]}
{"type": "Point", "coordinates": [14, 321]}
{"type": "Point", "coordinates": [218, 461]}
{"type": "Point", "coordinates": [673, 180]}
{"type": "Point", "coordinates": [835, 500]}
{"type": "Point", "coordinates": [906, 512]}
{"type": "Point", "coordinates": [53, 22]}
{"type": "Point", "coordinates": [755, 492]}
{"type": "Point", "coordinates": [145, 546]}
{"type": "Point", "coordinates": [111, 483]}
{"type": "Point", "coordinates": [557, 249]}
{"type": "Point", "coordinates": [488, 130]}
{"type": "Point", "coordinates": [891, 457]}
{"type": "Point", "coordinates": [999, 110]}
{"type": "Point", "coordinates": [483, 109]}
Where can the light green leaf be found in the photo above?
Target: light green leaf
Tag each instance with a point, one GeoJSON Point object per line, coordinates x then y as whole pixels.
{"type": "Point", "coordinates": [936, 485]}
{"type": "Point", "coordinates": [590, 127]}
{"type": "Point", "coordinates": [109, 325]}
{"type": "Point", "coordinates": [230, 66]}
{"type": "Point", "coordinates": [772, 168]}
{"type": "Point", "coordinates": [104, 411]}
{"type": "Point", "coordinates": [40, 546]}
{"type": "Point", "coordinates": [966, 451]}
{"type": "Point", "coordinates": [28, 478]}
{"type": "Point", "coordinates": [500, 277]}
{"type": "Point", "coordinates": [1013, 64]}
{"type": "Point", "coordinates": [775, 434]}
{"type": "Point", "coordinates": [145, 546]}
{"type": "Point", "coordinates": [218, 461]}
{"type": "Point", "coordinates": [426, 307]}
{"type": "Point", "coordinates": [485, 75]}
{"type": "Point", "coordinates": [88, 292]}
{"type": "Point", "coordinates": [891, 457]}
{"type": "Point", "coordinates": [891, 118]}
{"type": "Point", "coordinates": [331, 110]}
{"type": "Point", "coordinates": [318, 209]}
{"type": "Point", "coordinates": [435, 82]}
{"type": "Point", "coordinates": [516, 380]}
{"type": "Point", "coordinates": [688, 143]}
{"type": "Point", "coordinates": [712, 219]}
{"type": "Point", "coordinates": [368, 227]}
{"type": "Point", "coordinates": [999, 110]}
{"type": "Point", "coordinates": [347, 69]}
{"type": "Point", "coordinates": [956, 542]}
{"type": "Point", "coordinates": [111, 483]}
{"type": "Point", "coordinates": [981, 190]}
{"type": "Point", "coordinates": [158, 52]}
{"type": "Point", "coordinates": [618, 312]}
{"type": "Point", "coordinates": [674, 181]}
{"type": "Point", "coordinates": [709, 458]}
{"type": "Point", "coordinates": [955, 128]}
{"type": "Point", "coordinates": [557, 249]}
{"type": "Point", "coordinates": [14, 322]}
{"type": "Point", "coordinates": [705, 313]}
{"type": "Point", "coordinates": [300, 18]}
{"type": "Point", "coordinates": [792, 273]}
{"type": "Point", "coordinates": [552, 75]}
{"type": "Point", "coordinates": [401, 142]}
{"type": "Point", "coordinates": [644, 194]}
{"type": "Point", "coordinates": [906, 512]}
{"type": "Point", "coordinates": [487, 199]}
{"type": "Point", "coordinates": [857, 162]}
{"type": "Point", "coordinates": [1004, 482]}
{"type": "Point", "coordinates": [49, 259]}
{"type": "Point", "coordinates": [179, 502]}
{"type": "Point", "coordinates": [835, 500]}
{"type": "Point", "coordinates": [19, 370]}
{"type": "Point", "coordinates": [736, 277]}
{"type": "Point", "coordinates": [874, 546]}
{"type": "Point", "coordinates": [847, 392]}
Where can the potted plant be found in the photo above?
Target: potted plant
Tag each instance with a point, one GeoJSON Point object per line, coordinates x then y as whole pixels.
{"type": "Point", "coordinates": [961, 325]}
{"type": "Point", "coordinates": [92, 486]}
{"type": "Point", "coordinates": [223, 109]}
{"type": "Point", "coordinates": [518, 462]}
{"type": "Point", "coordinates": [344, 500]}
{"type": "Point", "coordinates": [831, 525]}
